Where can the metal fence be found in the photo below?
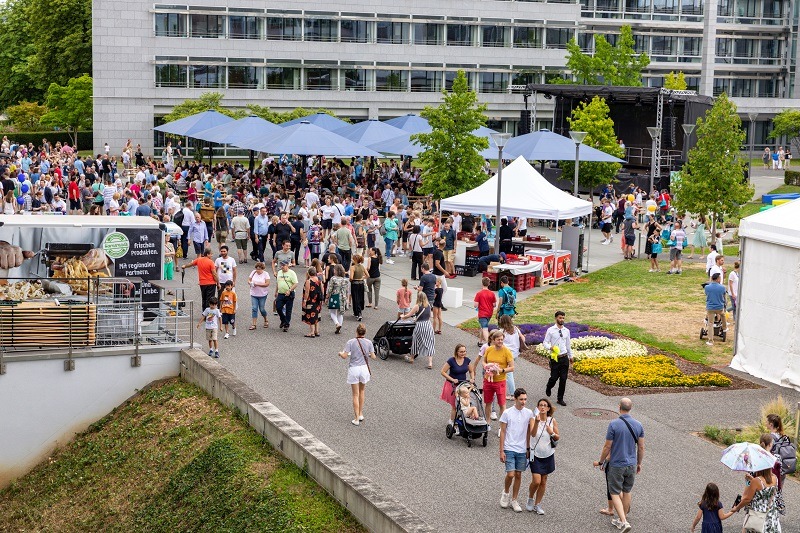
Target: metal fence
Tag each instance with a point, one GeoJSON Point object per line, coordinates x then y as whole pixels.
{"type": "Point", "coordinates": [68, 317]}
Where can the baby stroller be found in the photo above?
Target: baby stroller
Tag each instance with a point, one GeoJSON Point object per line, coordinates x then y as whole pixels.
{"type": "Point", "coordinates": [394, 337]}
{"type": "Point", "coordinates": [469, 428]}
{"type": "Point", "coordinates": [718, 331]}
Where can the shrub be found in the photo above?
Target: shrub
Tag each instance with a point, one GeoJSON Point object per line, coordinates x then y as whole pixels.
{"type": "Point", "coordinates": [791, 177]}
{"type": "Point", "coordinates": [85, 138]}
{"type": "Point", "coordinates": [650, 371]}
{"type": "Point", "coordinates": [776, 406]}
{"type": "Point", "coordinates": [722, 435]}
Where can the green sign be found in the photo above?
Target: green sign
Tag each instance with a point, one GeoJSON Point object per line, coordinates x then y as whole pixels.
{"type": "Point", "coordinates": [116, 245]}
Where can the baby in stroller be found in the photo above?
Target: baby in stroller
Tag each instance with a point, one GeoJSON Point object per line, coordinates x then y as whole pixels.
{"type": "Point", "coordinates": [465, 405]}
{"type": "Point", "coordinates": [470, 422]}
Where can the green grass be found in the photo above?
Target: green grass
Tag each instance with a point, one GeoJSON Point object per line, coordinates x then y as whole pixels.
{"type": "Point", "coordinates": [785, 189]}
{"type": "Point", "coordinates": [656, 309]}
{"type": "Point", "coordinates": [171, 459]}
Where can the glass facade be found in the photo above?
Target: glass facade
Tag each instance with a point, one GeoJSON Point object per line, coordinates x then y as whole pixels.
{"type": "Point", "coordinates": [459, 35]}
{"type": "Point", "coordinates": [494, 36]}
{"type": "Point", "coordinates": [207, 76]}
{"type": "Point", "coordinates": [426, 81]}
{"type": "Point", "coordinates": [528, 37]}
{"type": "Point", "coordinates": [354, 31]}
{"type": "Point", "coordinates": [243, 77]}
{"type": "Point", "coordinates": [284, 29]}
{"type": "Point", "coordinates": [282, 77]}
{"type": "Point", "coordinates": [244, 27]}
{"type": "Point", "coordinates": [324, 30]}
{"type": "Point", "coordinates": [428, 33]}
{"type": "Point", "coordinates": [391, 32]}
{"type": "Point", "coordinates": [170, 25]}
{"type": "Point", "coordinates": [391, 80]}
{"type": "Point", "coordinates": [171, 75]}
{"type": "Point", "coordinates": [208, 26]}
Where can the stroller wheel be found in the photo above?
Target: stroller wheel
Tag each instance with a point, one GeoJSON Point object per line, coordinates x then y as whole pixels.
{"type": "Point", "coordinates": [469, 442]}
{"type": "Point", "coordinates": [722, 336]}
{"type": "Point", "coordinates": [703, 334]}
{"type": "Point", "coordinates": [449, 431]}
{"type": "Point", "coordinates": [485, 439]}
{"type": "Point", "coordinates": [383, 348]}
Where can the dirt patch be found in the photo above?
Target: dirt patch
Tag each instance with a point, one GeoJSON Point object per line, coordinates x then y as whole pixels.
{"type": "Point", "coordinates": [687, 367]}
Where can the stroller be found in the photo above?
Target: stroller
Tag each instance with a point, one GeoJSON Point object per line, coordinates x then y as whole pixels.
{"type": "Point", "coordinates": [469, 428]}
{"type": "Point", "coordinates": [718, 331]}
{"type": "Point", "coordinates": [394, 337]}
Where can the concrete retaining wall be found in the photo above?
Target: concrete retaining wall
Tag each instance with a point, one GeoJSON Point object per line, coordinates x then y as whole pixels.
{"type": "Point", "coordinates": [363, 498]}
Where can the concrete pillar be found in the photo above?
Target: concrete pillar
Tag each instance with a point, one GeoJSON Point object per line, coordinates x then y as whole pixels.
{"type": "Point", "coordinates": [708, 49]}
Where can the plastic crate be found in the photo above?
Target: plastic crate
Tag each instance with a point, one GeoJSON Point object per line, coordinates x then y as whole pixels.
{"type": "Point", "coordinates": [472, 261]}
{"type": "Point", "coordinates": [467, 271]}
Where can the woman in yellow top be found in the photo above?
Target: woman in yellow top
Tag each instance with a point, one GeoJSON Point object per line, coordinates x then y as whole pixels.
{"type": "Point", "coordinates": [494, 384]}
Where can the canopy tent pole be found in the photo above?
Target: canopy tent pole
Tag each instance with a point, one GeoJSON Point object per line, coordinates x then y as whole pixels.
{"type": "Point", "coordinates": [588, 232]}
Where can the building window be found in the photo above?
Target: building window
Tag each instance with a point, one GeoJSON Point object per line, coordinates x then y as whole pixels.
{"type": "Point", "coordinates": [527, 37]}
{"type": "Point", "coordinates": [742, 87]}
{"type": "Point", "coordinates": [664, 46]}
{"type": "Point", "coordinates": [459, 35]}
{"type": "Point", "coordinates": [283, 77]}
{"type": "Point", "coordinates": [170, 25]}
{"type": "Point", "coordinates": [692, 7]}
{"type": "Point", "coordinates": [391, 80]}
{"type": "Point", "coordinates": [428, 33]}
{"type": "Point", "coordinates": [324, 30]}
{"type": "Point", "coordinates": [243, 77]}
{"type": "Point", "coordinates": [208, 76]}
{"type": "Point", "coordinates": [773, 9]}
{"type": "Point", "coordinates": [493, 36]}
{"type": "Point", "coordinates": [241, 27]}
{"type": "Point", "coordinates": [558, 37]}
{"type": "Point", "coordinates": [284, 29]}
{"type": "Point", "coordinates": [725, 8]}
{"type": "Point", "coordinates": [637, 6]}
{"type": "Point", "coordinates": [665, 6]}
{"type": "Point", "coordinates": [354, 79]}
{"type": "Point", "coordinates": [691, 46]}
{"type": "Point", "coordinates": [392, 32]}
{"type": "Point", "coordinates": [426, 81]}
{"type": "Point", "coordinates": [171, 76]}
{"type": "Point", "coordinates": [450, 76]}
{"type": "Point", "coordinates": [724, 49]}
{"type": "Point", "coordinates": [354, 31]}
{"type": "Point", "coordinates": [769, 49]}
{"type": "Point", "coordinates": [525, 78]}
{"type": "Point", "coordinates": [319, 79]}
{"type": "Point", "coordinates": [208, 26]}
{"type": "Point", "coordinates": [493, 82]}
{"type": "Point", "coordinates": [641, 44]}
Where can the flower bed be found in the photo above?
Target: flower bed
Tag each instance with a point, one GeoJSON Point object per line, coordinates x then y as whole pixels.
{"type": "Point", "coordinates": [534, 333]}
{"type": "Point", "coordinates": [595, 347]}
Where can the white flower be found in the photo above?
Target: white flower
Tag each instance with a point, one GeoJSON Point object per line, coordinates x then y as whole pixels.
{"type": "Point", "coordinates": [596, 347]}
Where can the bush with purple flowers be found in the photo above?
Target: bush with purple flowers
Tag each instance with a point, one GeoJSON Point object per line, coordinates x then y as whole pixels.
{"type": "Point", "coordinates": [534, 333]}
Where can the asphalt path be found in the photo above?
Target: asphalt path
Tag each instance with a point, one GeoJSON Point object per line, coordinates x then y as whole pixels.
{"type": "Point", "coordinates": [401, 445]}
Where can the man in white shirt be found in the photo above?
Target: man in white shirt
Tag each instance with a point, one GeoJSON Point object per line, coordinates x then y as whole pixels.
{"type": "Point", "coordinates": [711, 259]}
{"type": "Point", "coordinates": [457, 222]}
{"type": "Point", "coordinates": [226, 267]}
{"type": "Point", "coordinates": [515, 434]}
{"type": "Point", "coordinates": [733, 287]}
{"type": "Point", "coordinates": [718, 268]}
{"type": "Point", "coordinates": [170, 203]}
{"type": "Point", "coordinates": [605, 221]}
{"type": "Point", "coordinates": [312, 197]}
{"type": "Point", "coordinates": [337, 212]}
{"type": "Point", "coordinates": [557, 343]}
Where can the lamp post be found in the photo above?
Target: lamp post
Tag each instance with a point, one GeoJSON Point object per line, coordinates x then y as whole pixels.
{"type": "Point", "coordinates": [687, 133]}
{"type": "Point", "coordinates": [500, 139]}
{"type": "Point", "coordinates": [654, 134]}
{"type": "Point", "coordinates": [577, 137]}
{"type": "Point", "coordinates": [752, 116]}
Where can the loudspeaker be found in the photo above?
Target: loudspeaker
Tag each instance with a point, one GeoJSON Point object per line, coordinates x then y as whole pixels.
{"type": "Point", "coordinates": [524, 125]}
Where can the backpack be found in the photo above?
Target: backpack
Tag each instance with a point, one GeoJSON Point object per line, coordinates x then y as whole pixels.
{"type": "Point", "coordinates": [178, 218]}
{"type": "Point", "coordinates": [787, 452]}
{"type": "Point", "coordinates": [382, 229]}
{"type": "Point", "coordinates": [509, 305]}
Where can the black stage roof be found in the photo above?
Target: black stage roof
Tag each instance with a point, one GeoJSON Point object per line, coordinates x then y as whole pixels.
{"type": "Point", "coordinates": [641, 95]}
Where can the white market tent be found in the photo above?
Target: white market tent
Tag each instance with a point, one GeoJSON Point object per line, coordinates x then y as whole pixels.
{"type": "Point", "coordinates": [525, 193]}
{"type": "Point", "coordinates": [768, 328]}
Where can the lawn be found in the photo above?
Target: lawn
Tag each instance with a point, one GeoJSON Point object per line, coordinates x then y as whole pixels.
{"type": "Point", "coordinates": [170, 459]}
{"type": "Point", "coordinates": [660, 310]}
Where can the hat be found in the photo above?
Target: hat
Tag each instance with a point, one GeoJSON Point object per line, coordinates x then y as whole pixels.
{"type": "Point", "coordinates": [503, 256]}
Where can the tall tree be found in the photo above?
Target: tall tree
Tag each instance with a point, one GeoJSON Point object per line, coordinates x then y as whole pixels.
{"type": "Point", "coordinates": [675, 82]}
{"type": "Point", "coordinates": [787, 124]}
{"type": "Point", "coordinates": [278, 117]}
{"type": "Point", "coordinates": [70, 106]}
{"type": "Point", "coordinates": [452, 162]}
{"type": "Point", "coordinates": [628, 65]}
{"type": "Point", "coordinates": [618, 65]}
{"type": "Point", "coordinates": [16, 46]}
{"type": "Point", "coordinates": [712, 180]}
{"type": "Point", "coordinates": [581, 65]}
{"type": "Point", "coordinates": [592, 117]}
{"type": "Point", "coordinates": [211, 101]}
{"type": "Point", "coordinates": [26, 116]}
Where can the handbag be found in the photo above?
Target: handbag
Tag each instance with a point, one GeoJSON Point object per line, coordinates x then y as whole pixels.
{"type": "Point", "coordinates": [755, 521]}
{"type": "Point", "coordinates": [656, 248]}
{"type": "Point", "coordinates": [334, 302]}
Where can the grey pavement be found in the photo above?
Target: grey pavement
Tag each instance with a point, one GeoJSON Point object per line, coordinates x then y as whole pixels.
{"type": "Point", "coordinates": [402, 445]}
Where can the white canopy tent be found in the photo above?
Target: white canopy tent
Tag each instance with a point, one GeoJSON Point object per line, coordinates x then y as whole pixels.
{"type": "Point", "coordinates": [768, 323]}
{"type": "Point", "coordinates": [524, 193]}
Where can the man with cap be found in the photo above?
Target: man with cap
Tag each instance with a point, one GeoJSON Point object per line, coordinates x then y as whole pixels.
{"type": "Point", "coordinates": [284, 299]}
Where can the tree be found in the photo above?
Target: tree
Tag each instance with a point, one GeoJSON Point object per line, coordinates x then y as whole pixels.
{"type": "Point", "coordinates": [787, 124]}
{"type": "Point", "coordinates": [675, 82]}
{"type": "Point", "coordinates": [592, 117]}
{"type": "Point", "coordinates": [712, 180]}
{"type": "Point", "coordinates": [210, 101]}
{"type": "Point", "coordinates": [616, 65]}
{"type": "Point", "coordinates": [452, 162]}
{"type": "Point", "coordinates": [26, 116]}
{"type": "Point", "coordinates": [70, 106]}
{"type": "Point", "coordinates": [15, 47]}
{"type": "Point", "coordinates": [278, 117]}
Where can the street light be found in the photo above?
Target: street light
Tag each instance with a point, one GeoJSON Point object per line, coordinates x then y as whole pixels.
{"type": "Point", "coordinates": [752, 116]}
{"type": "Point", "coordinates": [654, 134]}
{"type": "Point", "coordinates": [577, 137]}
{"type": "Point", "coordinates": [500, 139]}
{"type": "Point", "coordinates": [687, 132]}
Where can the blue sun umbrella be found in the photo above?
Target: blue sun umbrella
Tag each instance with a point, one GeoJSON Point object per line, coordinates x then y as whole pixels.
{"type": "Point", "coordinates": [238, 130]}
{"type": "Point", "coordinates": [188, 126]}
{"type": "Point", "coordinates": [323, 120]}
{"type": "Point", "coordinates": [306, 139]}
{"type": "Point", "coordinates": [410, 123]}
{"type": "Point", "coordinates": [369, 132]}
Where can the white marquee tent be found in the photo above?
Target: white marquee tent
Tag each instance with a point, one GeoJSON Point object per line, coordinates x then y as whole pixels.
{"type": "Point", "coordinates": [525, 193]}
{"type": "Point", "coordinates": [768, 327]}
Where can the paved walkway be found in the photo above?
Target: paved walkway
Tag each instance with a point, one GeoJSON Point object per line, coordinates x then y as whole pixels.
{"type": "Point", "coordinates": [402, 445]}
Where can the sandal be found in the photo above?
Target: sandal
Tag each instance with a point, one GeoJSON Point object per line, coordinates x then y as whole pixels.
{"type": "Point", "coordinates": [266, 325]}
{"type": "Point", "coordinates": [429, 367]}
{"type": "Point", "coordinates": [309, 336]}
{"type": "Point", "coordinates": [408, 360]}
{"type": "Point", "coordinates": [251, 328]}
{"type": "Point", "coordinates": [606, 512]}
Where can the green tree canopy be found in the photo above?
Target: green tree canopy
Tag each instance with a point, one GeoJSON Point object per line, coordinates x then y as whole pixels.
{"type": "Point", "coordinates": [70, 106]}
{"type": "Point", "coordinates": [712, 180]}
{"type": "Point", "coordinates": [675, 82]}
{"type": "Point", "coordinates": [26, 116]}
{"type": "Point", "coordinates": [16, 46]}
{"type": "Point", "coordinates": [211, 101]}
{"type": "Point", "coordinates": [278, 117]}
{"type": "Point", "coordinates": [592, 117]}
{"type": "Point", "coordinates": [452, 162]}
{"type": "Point", "coordinates": [616, 65]}
{"type": "Point", "coordinates": [787, 124]}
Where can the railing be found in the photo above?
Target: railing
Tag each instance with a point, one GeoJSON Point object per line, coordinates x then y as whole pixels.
{"type": "Point", "coordinates": [71, 317]}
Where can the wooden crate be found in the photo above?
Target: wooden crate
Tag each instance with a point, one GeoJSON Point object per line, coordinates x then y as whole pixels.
{"type": "Point", "coordinates": [34, 324]}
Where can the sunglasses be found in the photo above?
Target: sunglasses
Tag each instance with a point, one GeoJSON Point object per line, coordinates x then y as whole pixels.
{"type": "Point", "coordinates": [560, 334]}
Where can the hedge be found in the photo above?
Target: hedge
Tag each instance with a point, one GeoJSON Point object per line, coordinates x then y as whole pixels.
{"type": "Point", "coordinates": [85, 138]}
{"type": "Point", "coordinates": [791, 177]}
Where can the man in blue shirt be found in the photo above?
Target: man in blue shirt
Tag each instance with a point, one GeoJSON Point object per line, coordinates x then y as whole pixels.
{"type": "Point", "coordinates": [715, 304]}
{"type": "Point", "coordinates": [623, 451]}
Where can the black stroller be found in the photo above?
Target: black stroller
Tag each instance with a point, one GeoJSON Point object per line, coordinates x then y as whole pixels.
{"type": "Point", "coordinates": [718, 331]}
{"type": "Point", "coordinates": [394, 337]}
{"type": "Point", "coordinates": [469, 428]}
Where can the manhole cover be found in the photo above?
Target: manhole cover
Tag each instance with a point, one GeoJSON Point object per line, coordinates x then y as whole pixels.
{"type": "Point", "coordinates": [595, 414]}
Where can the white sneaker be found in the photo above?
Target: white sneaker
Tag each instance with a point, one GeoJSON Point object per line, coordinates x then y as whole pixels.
{"type": "Point", "coordinates": [390, 261]}
{"type": "Point", "coordinates": [625, 527]}
{"type": "Point", "coordinates": [505, 500]}
{"type": "Point", "coordinates": [605, 241]}
{"type": "Point", "coordinates": [494, 416]}
{"type": "Point", "coordinates": [616, 523]}
{"type": "Point", "coordinates": [227, 336]}
{"type": "Point", "coordinates": [355, 422]}
{"type": "Point", "coordinates": [611, 239]}
{"type": "Point", "coordinates": [538, 509]}
{"type": "Point", "coordinates": [651, 270]}
{"type": "Point", "coordinates": [516, 506]}
{"type": "Point", "coordinates": [234, 332]}
{"type": "Point", "coordinates": [530, 506]}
